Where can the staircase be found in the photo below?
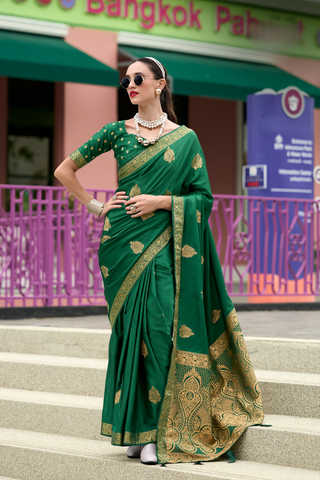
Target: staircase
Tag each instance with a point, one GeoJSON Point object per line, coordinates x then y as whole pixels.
{"type": "Point", "coordinates": [51, 387]}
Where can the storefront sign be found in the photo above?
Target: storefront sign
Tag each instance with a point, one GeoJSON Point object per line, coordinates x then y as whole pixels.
{"type": "Point", "coordinates": [199, 20]}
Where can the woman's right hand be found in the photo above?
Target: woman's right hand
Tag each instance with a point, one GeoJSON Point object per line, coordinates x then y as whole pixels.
{"type": "Point", "coordinates": [111, 203]}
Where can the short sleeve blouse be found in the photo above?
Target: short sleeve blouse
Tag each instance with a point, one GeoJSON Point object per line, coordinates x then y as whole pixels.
{"type": "Point", "coordinates": [112, 136]}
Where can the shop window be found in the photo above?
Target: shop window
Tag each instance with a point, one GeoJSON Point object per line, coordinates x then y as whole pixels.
{"type": "Point", "coordinates": [30, 132]}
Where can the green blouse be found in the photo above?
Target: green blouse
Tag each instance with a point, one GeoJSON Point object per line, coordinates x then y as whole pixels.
{"type": "Point", "coordinates": [112, 136]}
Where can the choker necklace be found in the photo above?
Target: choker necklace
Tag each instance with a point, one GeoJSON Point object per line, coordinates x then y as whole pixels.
{"type": "Point", "coordinates": [149, 124]}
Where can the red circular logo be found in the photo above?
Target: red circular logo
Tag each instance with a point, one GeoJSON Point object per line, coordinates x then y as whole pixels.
{"type": "Point", "coordinates": [292, 102]}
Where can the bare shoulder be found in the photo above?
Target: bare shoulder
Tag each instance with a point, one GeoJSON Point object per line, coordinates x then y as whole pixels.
{"type": "Point", "coordinates": [170, 126]}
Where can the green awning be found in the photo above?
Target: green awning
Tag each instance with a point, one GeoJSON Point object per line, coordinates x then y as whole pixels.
{"type": "Point", "coordinates": [221, 78]}
{"type": "Point", "coordinates": [38, 57]}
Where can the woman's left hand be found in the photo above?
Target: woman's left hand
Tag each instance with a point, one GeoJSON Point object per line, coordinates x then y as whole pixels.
{"type": "Point", "coordinates": [144, 204]}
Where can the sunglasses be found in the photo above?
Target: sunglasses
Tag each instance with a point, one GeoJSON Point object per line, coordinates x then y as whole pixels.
{"type": "Point", "coordinates": [138, 80]}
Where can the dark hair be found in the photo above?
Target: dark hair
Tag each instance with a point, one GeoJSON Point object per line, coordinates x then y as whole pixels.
{"type": "Point", "coordinates": [165, 97]}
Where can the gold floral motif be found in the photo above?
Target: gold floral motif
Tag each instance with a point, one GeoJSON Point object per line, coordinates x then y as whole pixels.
{"type": "Point", "coordinates": [136, 271]}
{"type": "Point", "coordinates": [107, 224]}
{"type": "Point", "coordinates": [168, 192]}
{"type": "Point", "coordinates": [78, 159]}
{"type": "Point", "coordinates": [202, 259]}
{"type": "Point", "coordinates": [188, 251]}
{"type": "Point", "coordinates": [117, 396]}
{"type": "Point", "coordinates": [185, 332]}
{"type": "Point", "coordinates": [144, 350]}
{"type": "Point", "coordinates": [131, 438]}
{"type": "Point", "coordinates": [151, 151]}
{"type": "Point", "coordinates": [196, 162]}
{"type": "Point", "coordinates": [198, 216]}
{"type": "Point", "coordinates": [145, 216]}
{"type": "Point", "coordinates": [215, 315]}
{"type": "Point", "coordinates": [104, 238]}
{"type": "Point", "coordinates": [105, 272]}
{"type": "Point", "coordinates": [137, 247]}
{"type": "Point", "coordinates": [154, 395]}
{"type": "Point", "coordinates": [169, 155]}
{"type": "Point", "coordinates": [135, 190]}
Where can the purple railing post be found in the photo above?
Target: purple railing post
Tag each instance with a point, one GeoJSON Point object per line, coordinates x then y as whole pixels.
{"type": "Point", "coordinates": [48, 249]}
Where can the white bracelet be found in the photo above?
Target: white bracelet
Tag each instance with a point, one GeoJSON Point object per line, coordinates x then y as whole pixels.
{"type": "Point", "coordinates": [95, 207]}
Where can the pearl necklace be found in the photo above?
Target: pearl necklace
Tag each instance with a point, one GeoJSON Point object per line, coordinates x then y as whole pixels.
{"type": "Point", "coordinates": [149, 124]}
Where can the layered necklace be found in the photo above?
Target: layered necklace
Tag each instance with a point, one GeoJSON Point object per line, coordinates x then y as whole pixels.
{"type": "Point", "coordinates": [149, 124]}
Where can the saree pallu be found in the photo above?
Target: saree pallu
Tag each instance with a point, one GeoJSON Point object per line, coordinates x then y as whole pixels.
{"type": "Point", "coordinates": [179, 373]}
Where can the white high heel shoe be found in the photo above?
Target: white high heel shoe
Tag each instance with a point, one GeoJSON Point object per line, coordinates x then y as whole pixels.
{"type": "Point", "coordinates": [134, 451]}
{"type": "Point", "coordinates": [148, 454]}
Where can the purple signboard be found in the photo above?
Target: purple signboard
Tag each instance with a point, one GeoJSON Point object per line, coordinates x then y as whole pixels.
{"type": "Point", "coordinates": [281, 137]}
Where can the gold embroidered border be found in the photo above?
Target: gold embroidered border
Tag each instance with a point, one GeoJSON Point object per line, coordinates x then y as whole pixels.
{"type": "Point", "coordinates": [78, 159]}
{"type": "Point", "coordinates": [136, 271]}
{"type": "Point", "coordinates": [178, 217]}
{"type": "Point", "coordinates": [128, 437]}
{"type": "Point", "coordinates": [192, 359]}
{"type": "Point", "coordinates": [144, 157]}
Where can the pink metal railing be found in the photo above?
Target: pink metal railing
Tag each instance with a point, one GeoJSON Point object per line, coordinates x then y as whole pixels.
{"type": "Point", "coordinates": [49, 244]}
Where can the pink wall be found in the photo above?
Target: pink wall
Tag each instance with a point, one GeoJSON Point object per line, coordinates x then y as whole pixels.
{"type": "Point", "coordinates": [87, 108]}
{"type": "Point", "coordinates": [214, 121]}
{"type": "Point", "coordinates": [3, 128]}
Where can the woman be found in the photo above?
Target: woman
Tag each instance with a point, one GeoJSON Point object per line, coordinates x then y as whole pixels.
{"type": "Point", "coordinates": [180, 386]}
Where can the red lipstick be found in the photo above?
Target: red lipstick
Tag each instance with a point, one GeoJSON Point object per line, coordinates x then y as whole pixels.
{"type": "Point", "coordinates": [133, 94]}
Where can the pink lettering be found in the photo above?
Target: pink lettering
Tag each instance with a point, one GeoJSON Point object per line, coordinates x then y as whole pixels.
{"type": "Point", "coordinates": [114, 8]}
{"type": "Point", "coordinates": [251, 20]}
{"type": "Point", "coordinates": [220, 19]}
{"type": "Point", "coordinates": [237, 25]}
{"type": "Point", "coordinates": [163, 16]}
{"type": "Point", "coordinates": [147, 18]}
{"type": "Point", "coordinates": [135, 8]}
{"type": "Point", "coordinates": [176, 15]}
{"type": "Point", "coordinates": [93, 8]}
{"type": "Point", "coordinates": [194, 20]}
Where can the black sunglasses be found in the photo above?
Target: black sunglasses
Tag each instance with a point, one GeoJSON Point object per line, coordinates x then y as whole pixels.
{"type": "Point", "coordinates": [138, 80]}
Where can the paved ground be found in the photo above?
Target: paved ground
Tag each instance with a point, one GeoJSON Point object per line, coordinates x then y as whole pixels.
{"type": "Point", "coordinates": [291, 324]}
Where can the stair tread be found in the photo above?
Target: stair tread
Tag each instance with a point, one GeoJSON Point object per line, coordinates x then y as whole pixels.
{"type": "Point", "coordinates": [53, 360]}
{"type": "Point", "coordinates": [48, 398]}
{"type": "Point", "coordinates": [87, 331]}
{"type": "Point", "coordinates": [287, 377]}
{"type": "Point", "coordinates": [242, 470]}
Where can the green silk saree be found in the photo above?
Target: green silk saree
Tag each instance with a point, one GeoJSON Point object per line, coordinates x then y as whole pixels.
{"type": "Point", "coordinates": [179, 373]}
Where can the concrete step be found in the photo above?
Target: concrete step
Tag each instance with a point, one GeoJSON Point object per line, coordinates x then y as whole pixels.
{"type": "Point", "coordinates": [290, 441]}
{"type": "Point", "coordinates": [287, 393]}
{"type": "Point", "coordinates": [283, 393]}
{"type": "Point", "coordinates": [56, 413]}
{"type": "Point", "coordinates": [66, 342]}
{"type": "Point", "coordinates": [283, 354]}
{"type": "Point", "coordinates": [50, 373]}
{"type": "Point", "coordinates": [38, 456]}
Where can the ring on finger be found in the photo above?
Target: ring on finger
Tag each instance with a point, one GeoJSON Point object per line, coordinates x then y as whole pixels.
{"type": "Point", "coordinates": [133, 208]}
{"type": "Point", "coordinates": [114, 197]}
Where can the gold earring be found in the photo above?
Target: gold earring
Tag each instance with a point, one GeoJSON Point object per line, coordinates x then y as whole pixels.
{"type": "Point", "coordinates": [158, 91]}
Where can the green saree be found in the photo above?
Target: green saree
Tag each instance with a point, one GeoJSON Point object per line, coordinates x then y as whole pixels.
{"type": "Point", "coordinates": [179, 373]}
